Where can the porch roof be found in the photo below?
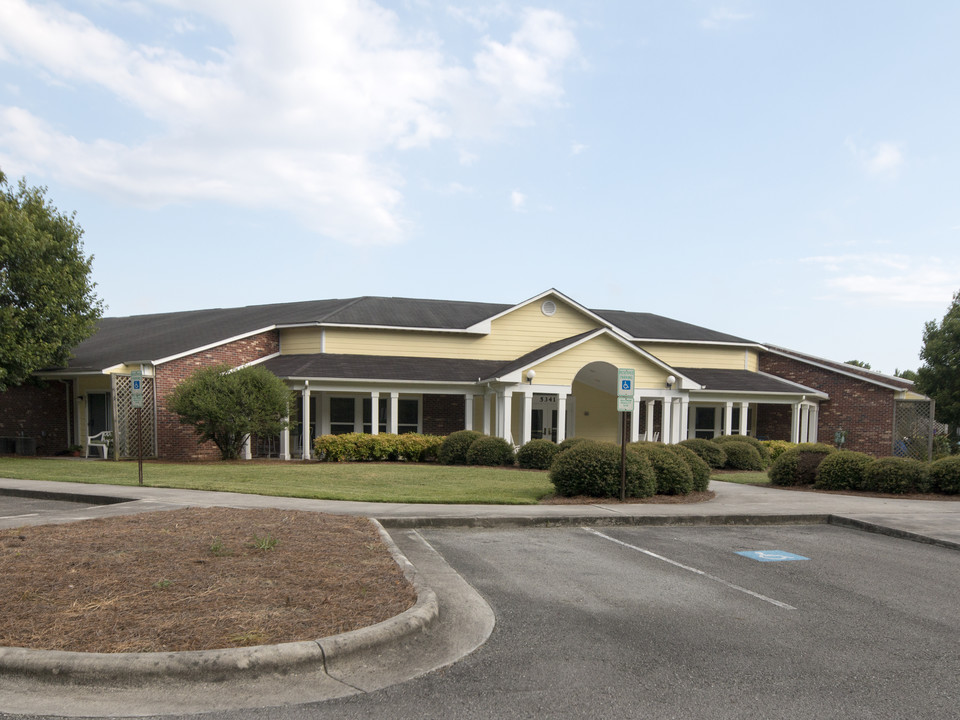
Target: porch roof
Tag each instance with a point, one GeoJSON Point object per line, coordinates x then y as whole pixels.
{"type": "Point", "coordinates": [381, 367]}
{"type": "Point", "coordinates": [745, 381]}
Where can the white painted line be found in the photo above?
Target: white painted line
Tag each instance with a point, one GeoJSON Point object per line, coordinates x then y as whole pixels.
{"type": "Point", "coordinates": [14, 517]}
{"type": "Point", "coordinates": [693, 570]}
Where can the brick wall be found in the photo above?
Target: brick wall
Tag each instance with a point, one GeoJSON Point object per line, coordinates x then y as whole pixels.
{"type": "Point", "coordinates": [774, 421]}
{"type": "Point", "coordinates": [179, 442]}
{"type": "Point", "coordinates": [861, 408]}
{"type": "Point", "coordinates": [39, 411]}
{"type": "Point", "coordinates": [443, 414]}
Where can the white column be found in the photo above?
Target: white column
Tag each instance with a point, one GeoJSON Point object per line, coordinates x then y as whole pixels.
{"type": "Point", "coordinates": [394, 413]}
{"type": "Point", "coordinates": [247, 451]}
{"type": "Point", "coordinates": [804, 423]}
{"type": "Point", "coordinates": [684, 419]}
{"type": "Point", "coordinates": [635, 419]}
{"type": "Point", "coordinates": [285, 443]}
{"type": "Point", "coordinates": [814, 423]}
{"type": "Point", "coordinates": [744, 409]}
{"type": "Point", "coordinates": [305, 427]}
{"type": "Point", "coordinates": [526, 419]}
{"type": "Point", "coordinates": [468, 411]}
{"type": "Point", "coordinates": [728, 418]}
{"type": "Point", "coordinates": [795, 423]}
{"type": "Point", "coordinates": [651, 404]}
{"type": "Point", "coordinates": [505, 415]}
{"type": "Point", "coordinates": [487, 408]}
{"type": "Point", "coordinates": [666, 421]}
{"type": "Point", "coordinates": [561, 417]}
{"type": "Point", "coordinates": [374, 412]}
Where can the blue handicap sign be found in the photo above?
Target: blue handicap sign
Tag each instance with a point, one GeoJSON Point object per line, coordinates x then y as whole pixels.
{"type": "Point", "coordinates": [771, 555]}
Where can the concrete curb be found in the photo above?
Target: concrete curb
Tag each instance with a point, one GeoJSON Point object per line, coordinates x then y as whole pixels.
{"type": "Point", "coordinates": [409, 523]}
{"type": "Point", "coordinates": [231, 663]}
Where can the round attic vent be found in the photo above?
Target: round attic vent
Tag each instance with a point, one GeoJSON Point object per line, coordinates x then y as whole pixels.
{"type": "Point", "coordinates": [548, 308]}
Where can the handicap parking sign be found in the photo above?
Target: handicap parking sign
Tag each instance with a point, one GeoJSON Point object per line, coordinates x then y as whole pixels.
{"type": "Point", "coordinates": [771, 555]}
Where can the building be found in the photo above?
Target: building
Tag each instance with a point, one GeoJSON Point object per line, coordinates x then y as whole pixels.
{"type": "Point", "coordinates": [544, 368]}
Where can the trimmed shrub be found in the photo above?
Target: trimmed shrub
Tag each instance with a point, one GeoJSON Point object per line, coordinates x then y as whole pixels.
{"type": "Point", "coordinates": [776, 448]}
{"type": "Point", "coordinates": [698, 466]}
{"type": "Point", "coordinates": [363, 447]}
{"type": "Point", "coordinates": [570, 442]}
{"type": "Point", "coordinates": [708, 450]}
{"type": "Point", "coordinates": [592, 468]}
{"type": "Point", "coordinates": [537, 454]}
{"type": "Point", "coordinates": [896, 476]}
{"type": "Point", "coordinates": [798, 466]}
{"type": "Point", "coordinates": [453, 449]}
{"type": "Point", "coordinates": [742, 456]}
{"type": "Point", "coordinates": [673, 474]}
{"type": "Point", "coordinates": [945, 475]}
{"type": "Point", "coordinates": [842, 470]}
{"type": "Point", "coordinates": [760, 447]}
{"type": "Point", "coordinates": [491, 451]}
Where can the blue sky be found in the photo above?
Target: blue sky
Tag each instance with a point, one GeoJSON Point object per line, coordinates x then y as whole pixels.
{"type": "Point", "coordinates": [781, 171]}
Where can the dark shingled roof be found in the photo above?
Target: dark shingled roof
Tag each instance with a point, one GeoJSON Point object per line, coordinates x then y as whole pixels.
{"type": "Point", "coordinates": [868, 375]}
{"type": "Point", "coordinates": [740, 381]}
{"type": "Point", "coordinates": [646, 326]}
{"type": "Point", "coordinates": [382, 367]}
{"type": "Point", "coordinates": [145, 338]}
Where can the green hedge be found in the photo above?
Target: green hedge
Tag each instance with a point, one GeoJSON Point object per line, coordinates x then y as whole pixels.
{"type": "Point", "coordinates": [674, 476]}
{"type": "Point", "coordinates": [708, 450]}
{"type": "Point", "coordinates": [454, 448]}
{"type": "Point", "coordinates": [945, 475]}
{"type": "Point", "coordinates": [362, 447]}
{"type": "Point", "coordinates": [698, 466]}
{"type": "Point", "coordinates": [776, 448]}
{"type": "Point", "coordinates": [761, 449]}
{"type": "Point", "coordinates": [490, 451]}
{"type": "Point", "coordinates": [798, 466]}
{"type": "Point", "coordinates": [842, 470]}
{"type": "Point", "coordinates": [538, 454]}
{"type": "Point", "coordinates": [592, 468]}
{"type": "Point", "coordinates": [742, 456]}
{"type": "Point", "coordinates": [896, 475]}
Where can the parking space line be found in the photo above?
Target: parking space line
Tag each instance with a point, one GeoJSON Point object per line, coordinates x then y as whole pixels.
{"type": "Point", "coordinates": [14, 517]}
{"type": "Point", "coordinates": [692, 569]}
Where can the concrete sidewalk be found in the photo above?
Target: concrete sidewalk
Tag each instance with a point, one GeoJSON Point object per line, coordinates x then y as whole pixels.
{"type": "Point", "coordinates": [457, 622]}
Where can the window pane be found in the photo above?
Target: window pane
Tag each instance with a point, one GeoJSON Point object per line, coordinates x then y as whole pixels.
{"type": "Point", "coordinates": [341, 410]}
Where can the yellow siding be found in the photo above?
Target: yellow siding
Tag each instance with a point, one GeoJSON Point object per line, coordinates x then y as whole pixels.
{"type": "Point", "coordinates": [561, 370]}
{"type": "Point", "coordinates": [96, 383]}
{"type": "Point", "coordinates": [512, 335]}
{"type": "Point", "coordinates": [596, 414]}
{"type": "Point", "coordinates": [705, 356]}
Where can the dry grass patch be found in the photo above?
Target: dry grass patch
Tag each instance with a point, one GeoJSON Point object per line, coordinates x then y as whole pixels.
{"type": "Point", "coordinates": [195, 579]}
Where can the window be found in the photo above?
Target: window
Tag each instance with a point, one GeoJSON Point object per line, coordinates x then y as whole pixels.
{"type": "Point", "coordinates": [383, 408]}
{"type": "Point", "coordinates": [341, 415]}
{"type": "Point", "coordinates": [408, 416]}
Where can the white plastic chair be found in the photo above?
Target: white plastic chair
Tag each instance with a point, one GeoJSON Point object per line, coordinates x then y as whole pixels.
{"type": "Point", "coordinates": [101, 440]}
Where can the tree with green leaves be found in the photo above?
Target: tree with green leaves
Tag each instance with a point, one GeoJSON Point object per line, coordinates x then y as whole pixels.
{"type": "Point", "coordinates": [859, 364]}
{"type": "Point", "coordinates": [939, 376]}
{"type": "Point", "coordinates": [47, 300]}
{"type": "Point", "coordinates": [228, 406]}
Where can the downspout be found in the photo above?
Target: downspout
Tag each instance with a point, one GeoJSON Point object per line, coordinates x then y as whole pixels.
{"type": "Point", "coordinates": [68, 393]}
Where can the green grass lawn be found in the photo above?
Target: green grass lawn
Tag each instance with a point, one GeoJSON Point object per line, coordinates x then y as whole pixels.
{"type": "Point", "coordinates": [745, 477]}
{"type": "Point", "coordinates": [374, 482]}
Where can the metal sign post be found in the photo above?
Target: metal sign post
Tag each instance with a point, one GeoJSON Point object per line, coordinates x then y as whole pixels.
{"type": "Point", "coordinates": [136, 401]}
{"type": "Point", "coordinates": [625, 382]}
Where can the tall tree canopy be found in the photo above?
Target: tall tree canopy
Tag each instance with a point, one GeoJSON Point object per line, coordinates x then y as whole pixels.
{"type": "Point", "coordinates": [47, 302]}
{"type": "Point", "coordinates": [228, 406]}
{"type": "Point", "coordinates": [939, 376]}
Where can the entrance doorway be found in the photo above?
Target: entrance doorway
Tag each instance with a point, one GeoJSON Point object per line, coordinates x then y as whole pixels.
{"type": "Point", "coordinates": [543, 419]}
{"type": "Point", "coordinates": [99, 416]}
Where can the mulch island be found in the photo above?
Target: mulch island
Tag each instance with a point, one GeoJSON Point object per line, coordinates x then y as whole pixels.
{"type": "Point", "coordinates": [195, 579]}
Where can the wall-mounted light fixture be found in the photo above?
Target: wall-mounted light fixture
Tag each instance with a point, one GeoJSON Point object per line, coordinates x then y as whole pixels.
{"type": "Point", "coordinates": [670, 381]}
{"type": "Point", "coordinates": [531, 374]}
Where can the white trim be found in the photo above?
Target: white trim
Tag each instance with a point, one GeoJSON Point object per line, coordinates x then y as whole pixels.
{"type": "Point", "coordinates": [825, 364]}
{"type": "Point", "coordinates": [225, 341]}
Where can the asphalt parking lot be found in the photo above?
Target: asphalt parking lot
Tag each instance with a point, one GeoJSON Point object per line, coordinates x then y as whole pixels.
{"type": "Point", "coordinates": [674, 623]}
{"type": "Point", "coordinates": [15, 510]}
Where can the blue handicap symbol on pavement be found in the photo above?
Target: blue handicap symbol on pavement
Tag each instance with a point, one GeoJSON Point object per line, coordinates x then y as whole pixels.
{"type": "Point", "coordinates": [771, 555]}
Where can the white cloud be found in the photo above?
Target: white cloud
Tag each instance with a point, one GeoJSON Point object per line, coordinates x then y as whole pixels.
{"type": "Point", "coordinates": [518, 200]}
{"type": "Point", "coordinates": [578, 148]}
{"type": "Point", "coordinates": [890, 279]}
{"type": "Point", "coordinates": [720, 18]}
{"type": "Point", "coordinates": [882, 159]}
{"type": "Point", "coordinates": [467, 158]}
{"type": "Point", "coordinates": [304, 109]}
